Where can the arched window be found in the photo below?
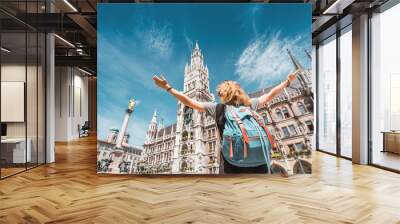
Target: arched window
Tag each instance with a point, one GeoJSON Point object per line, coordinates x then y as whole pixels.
{"type": "Point", "coordinates": [279, 114]}
{"type": "Point", "coordinates": [184, 149]}
{"type": "Point", "coordinates": [285, 112]}
{"type": "Point", "coordinates": [309, 104]}
{"type": "Point", "coordinates": [302, 108]}
{"type": "Point", "coordinates": [187, 115]}
{"type": "Point", "coordinates": [184, 166]}
{"type": "Point", "coordinates": [185, 136]}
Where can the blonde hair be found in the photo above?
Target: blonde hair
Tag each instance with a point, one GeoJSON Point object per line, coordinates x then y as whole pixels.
{"type": "Point", "coordinates": [232, 94]}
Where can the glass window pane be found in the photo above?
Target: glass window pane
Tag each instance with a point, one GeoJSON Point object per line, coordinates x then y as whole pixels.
{"type": "Point", "coordinates": [41, 98]}
{"type": "Point", "coordinates": [327, 96]}
{"type": "Point", "coordinates": [31, 97]}
{"type": "Point", "coordinates": [346, 94]}
{"type": "Point", "coordinates": [385, 84]}
{"type": "Point", "coordinates": [13, 86]}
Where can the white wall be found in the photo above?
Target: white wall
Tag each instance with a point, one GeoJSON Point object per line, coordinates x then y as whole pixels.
{"type": "Point", "coordinates": [17, 73]}
{"type": "Point", "coordinates": [71, 102]}
{"type": "Point", "coordinates": [33, 126]}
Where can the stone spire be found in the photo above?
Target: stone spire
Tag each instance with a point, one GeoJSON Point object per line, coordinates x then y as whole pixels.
{"type": "Point", "coordinates": [161, 124]}
{"type": "Point", "coordinates": [197, 60]}
{"type": "Point", "coordinates": [294, 61]}
{"type": "Point", "coordinates": [152, 130]}
{"type": "Point", "coordinates": [154, 119]}
{"type": "Point", "coordinates": [308, 54]}
{"type": "Point", "coordinates": [300, 75]}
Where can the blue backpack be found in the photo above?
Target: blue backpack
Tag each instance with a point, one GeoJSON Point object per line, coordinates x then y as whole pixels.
{"type": "Point", "coordinates": [246, 141]}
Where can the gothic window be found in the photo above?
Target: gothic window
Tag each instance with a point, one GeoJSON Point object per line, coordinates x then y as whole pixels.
{"type": "Point", "coordinates": [211, 147]}
{"type": "Point", "coordinates": [310, 126]}
{"type": "Point", "coordinates": [185, 135]}
{"type": "Point", "coordinates": [184, 150]}
{"type": "Point", "coordinates": [299, 146]}
{"type": "Point", "coordinates": [292, 129]}
{"type": "Point", "coordinates": [184, 166]}
{"type": "Point", "coordinates": [187, 115]}
{"type": "Point", "coordinates": [309, 104]}
{"type": "Point", "coordinates": [285, 112]}
{"type": "Point", "coordinates": [285, 131]}
{"type": "Point", "coordinates": [302, 108]}
{"type": "Point", "coordinates": [279, 114]}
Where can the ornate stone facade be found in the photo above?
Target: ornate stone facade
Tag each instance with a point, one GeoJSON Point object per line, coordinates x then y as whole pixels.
{"type": "Point", "coordinates": [113, 159]}
{"type": "Point", "coordinates": [191, 146]}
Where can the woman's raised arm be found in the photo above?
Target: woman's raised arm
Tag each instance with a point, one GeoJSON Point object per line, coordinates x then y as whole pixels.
{"type": "Point", "coordinates": [277, 89]}
{"type": "Point", "coordinates": [161, 82]}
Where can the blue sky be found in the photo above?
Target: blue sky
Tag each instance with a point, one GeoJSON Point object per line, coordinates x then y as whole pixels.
{"type": "Point", "coordinates": [243, 42]}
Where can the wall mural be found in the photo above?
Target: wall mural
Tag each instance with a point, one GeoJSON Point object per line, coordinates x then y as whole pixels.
{"type": "Point", "coordinates": [165, 105]}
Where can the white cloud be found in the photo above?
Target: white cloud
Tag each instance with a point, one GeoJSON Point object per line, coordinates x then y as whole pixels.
{"type": "Point", "coordinates": [126, 67]}
{"type": "Point", "coordinates": [254, 11]}
{"type": "Point", "coordinates": [189, 42]}
{"type": "Point", "coordinates": [158, 40]}
{"type": "Point", "coordinates": [266, 61]}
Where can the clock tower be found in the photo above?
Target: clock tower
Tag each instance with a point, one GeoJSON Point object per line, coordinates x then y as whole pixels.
{"type": "Point", "coordinates": [190, 152]}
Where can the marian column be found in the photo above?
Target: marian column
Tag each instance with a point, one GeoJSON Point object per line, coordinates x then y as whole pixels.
{"type": "Point", "coordinates": [121, 133]}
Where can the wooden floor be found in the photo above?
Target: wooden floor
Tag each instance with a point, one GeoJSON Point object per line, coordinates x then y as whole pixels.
{"type": "Point", "coordinates": [70, 191]}
{"type": "Point", "coordinates": [386, 159]}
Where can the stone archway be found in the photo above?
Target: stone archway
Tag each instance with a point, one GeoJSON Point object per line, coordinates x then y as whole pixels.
{"type": "Point", "coordinates": [184, 166]}
{"type": "Point", "coordinates": [302, 165]}
{"type": "Point", "coordinates": [277, 168]}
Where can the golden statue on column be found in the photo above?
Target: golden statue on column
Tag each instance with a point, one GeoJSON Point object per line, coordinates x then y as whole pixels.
{"type": "Point", "coordinates": [121, 134]}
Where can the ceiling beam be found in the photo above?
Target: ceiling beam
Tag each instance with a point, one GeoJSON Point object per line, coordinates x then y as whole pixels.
{"type": "Point", "coordinates": [81, 61]}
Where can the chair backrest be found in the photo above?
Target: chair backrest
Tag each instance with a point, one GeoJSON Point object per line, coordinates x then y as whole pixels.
{"type": "Point", "coordinates": [84, 127]}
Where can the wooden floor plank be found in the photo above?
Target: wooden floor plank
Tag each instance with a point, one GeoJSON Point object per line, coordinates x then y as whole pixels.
{"type": "Point", "coordinates": [70, 191]}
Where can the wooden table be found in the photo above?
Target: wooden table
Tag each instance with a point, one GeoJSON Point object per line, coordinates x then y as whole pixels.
{"type": "Point", "coordinates": [391, 141]}
{"type": "Point", "coordinates": [13, 150]}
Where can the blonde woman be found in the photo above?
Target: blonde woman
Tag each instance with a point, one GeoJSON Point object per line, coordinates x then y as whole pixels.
{"type": "Point", "coordinates": [233, 97]}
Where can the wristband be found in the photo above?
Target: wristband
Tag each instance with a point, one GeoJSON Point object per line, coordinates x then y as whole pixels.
{"type": "Point", "coordinates": [169, 88]}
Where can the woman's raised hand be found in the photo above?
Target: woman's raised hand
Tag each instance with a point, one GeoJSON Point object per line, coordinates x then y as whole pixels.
{"type": "Point", "coordinates": [161, 81]}
{"type": "Point", "coordinates": [292, 76]}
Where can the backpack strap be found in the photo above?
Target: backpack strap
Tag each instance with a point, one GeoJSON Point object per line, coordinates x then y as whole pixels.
{"type": "Point", "coordinates": [271, 139]}
{"type": "Point", "coordinates": [243, 130]}
{"type": "Point", "coordinates": [220, 118]}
